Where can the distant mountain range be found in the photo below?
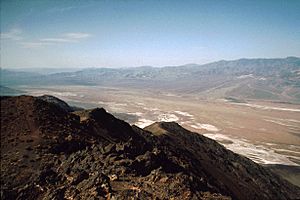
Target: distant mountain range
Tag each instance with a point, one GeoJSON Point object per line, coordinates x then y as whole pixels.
{"type": "Point", "coordinates": [48, 152]}
{"type": "Point", "coordinates": [267, 79]}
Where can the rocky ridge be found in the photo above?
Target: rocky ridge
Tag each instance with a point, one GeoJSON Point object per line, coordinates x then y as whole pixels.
{"type": "Point", "coordinates": [48, 152]}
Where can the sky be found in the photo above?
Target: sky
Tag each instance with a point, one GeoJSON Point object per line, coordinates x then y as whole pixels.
{"type": "Point", "coordinates": [128, 33]}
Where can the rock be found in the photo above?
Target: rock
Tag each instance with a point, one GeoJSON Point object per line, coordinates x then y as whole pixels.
{"type": "Point", "coordinates": [102, 157]}
{"type": "Point", "coordinates": [113, 177]}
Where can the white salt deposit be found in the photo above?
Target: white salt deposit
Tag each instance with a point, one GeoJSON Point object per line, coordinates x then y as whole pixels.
{"type": "Point", "coordinates": [268, 107]}
{"type": "Point", "coordinates": [280, 123]}
{"type": "Point", "coordinates": [167, 117]}
{"type": "Point", "coordinates": [258, 153]}
{"type": "Point", "coordinates": [245, 76]}
{"type": "Point", "coordinates": [136, 113]}
{"type": "Point", "coordinates": [142, 123]}
{"type": "Point", "coordinates": [186, 114]}
{"type": "Point", "coordinates": [207, 127]}
{"type": "Point", "coordinates": [64, 94]}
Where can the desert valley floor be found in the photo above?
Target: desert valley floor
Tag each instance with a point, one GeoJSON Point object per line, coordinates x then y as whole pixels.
{"type": "Point", "coordinates": [265, 132]}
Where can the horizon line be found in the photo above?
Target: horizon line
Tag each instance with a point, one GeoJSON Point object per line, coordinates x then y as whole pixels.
{"type": "Point", "coordinates": [139, 66]}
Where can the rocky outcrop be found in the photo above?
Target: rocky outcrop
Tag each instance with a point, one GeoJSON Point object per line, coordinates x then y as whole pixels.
{"type": "Point", "coordinates": [60, 103]}
{"type": "Point", "coordinates": [50, 153]}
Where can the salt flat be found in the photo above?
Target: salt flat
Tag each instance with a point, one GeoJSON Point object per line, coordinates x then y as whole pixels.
{"type": "Point", "coordinates": [260, 153]}
{"type": "Point", "coordinates": [266, 132]}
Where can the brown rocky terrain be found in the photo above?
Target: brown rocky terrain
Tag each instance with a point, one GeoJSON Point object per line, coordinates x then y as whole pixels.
{"type": "Point", "coordinates": [48, 152]}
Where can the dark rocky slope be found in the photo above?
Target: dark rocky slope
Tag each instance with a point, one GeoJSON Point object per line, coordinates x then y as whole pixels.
{"type": "Point", "coordinates": [50, 153]}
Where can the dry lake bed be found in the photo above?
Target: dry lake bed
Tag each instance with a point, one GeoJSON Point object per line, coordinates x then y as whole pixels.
{"type": "Point", "coordinates": [266, 132]}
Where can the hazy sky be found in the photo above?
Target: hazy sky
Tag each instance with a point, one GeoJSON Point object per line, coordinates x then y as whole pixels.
{"type": "Point", "coordinates": [118, 33]}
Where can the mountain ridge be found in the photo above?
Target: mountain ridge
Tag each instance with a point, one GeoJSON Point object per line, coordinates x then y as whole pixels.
{"type": "Point", "coordinates": [263, 79]}
{"type": "Point", "coordinates": [25, 69]}
{"type": "Point", "coordinates": [65, 155]}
